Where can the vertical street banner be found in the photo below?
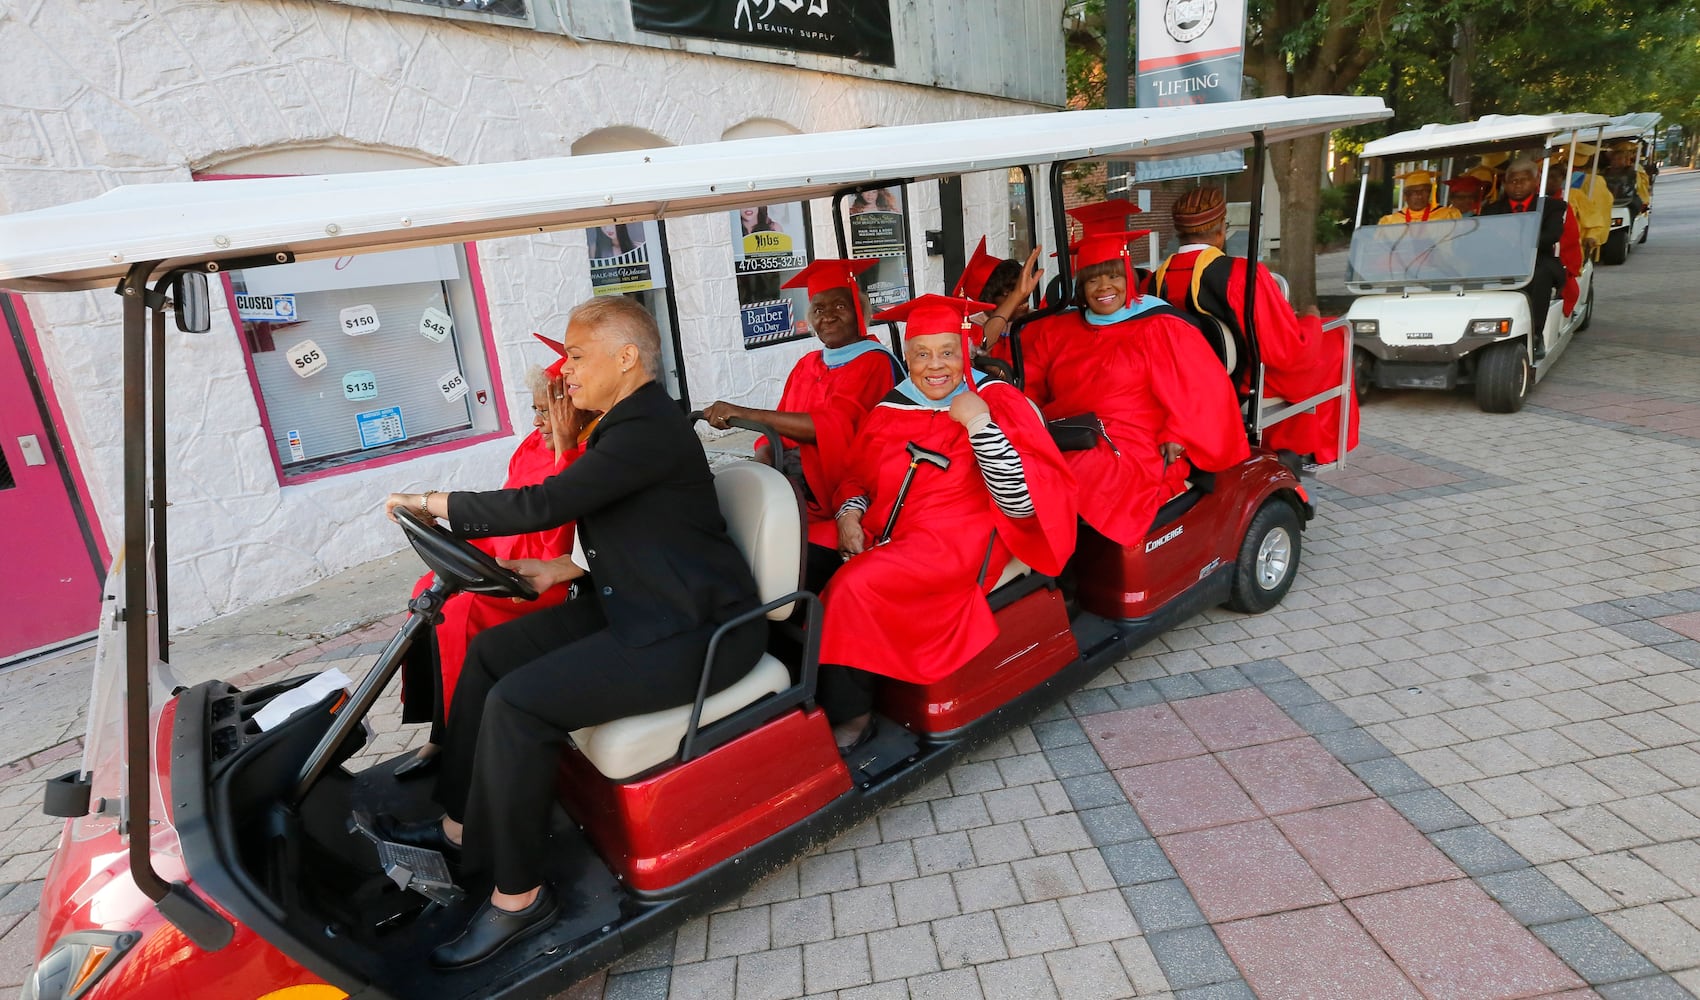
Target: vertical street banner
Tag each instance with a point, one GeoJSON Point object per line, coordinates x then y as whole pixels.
{"type": "Point", "coordinates": [855, 29]}
{"type": "Point", "coordinates": [877, 227]}
{"type": "Point", "coordinates": [1189, 52]}
{"type": "Point", "coordinates": [770, 244]}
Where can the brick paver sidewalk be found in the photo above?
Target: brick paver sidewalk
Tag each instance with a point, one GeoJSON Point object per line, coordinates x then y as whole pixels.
{"type": "Point", "coordinates": [1461, 760]}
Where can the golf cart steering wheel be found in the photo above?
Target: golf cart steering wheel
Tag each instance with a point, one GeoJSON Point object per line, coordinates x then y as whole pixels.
{"type": "Point", "coordinates": [461, 565]}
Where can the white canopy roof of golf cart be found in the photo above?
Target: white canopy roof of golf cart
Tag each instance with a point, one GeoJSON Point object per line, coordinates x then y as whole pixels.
{"type": "Point", "coordinates": [1628, 126]}
{"type": "Point", "coordinates": [1481, 132]}
{"type": "Point", "coordinates": [91, 243]}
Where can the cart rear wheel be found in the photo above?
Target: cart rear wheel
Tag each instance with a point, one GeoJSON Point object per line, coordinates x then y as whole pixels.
{"type": "Point", "coordinates": [1268, 560]}
{"type": "Point", "coordinates": [1648, 228]}
{"type": "Point", "coordinates": [1503, 377]}
{"type": "Point", "coordinates": [1588, 315]}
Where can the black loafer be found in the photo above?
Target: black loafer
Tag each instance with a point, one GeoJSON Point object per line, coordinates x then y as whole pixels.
{"type": "Point", "coordinates": [493, 929]}
{"type": "Point", "coordinates": [417, 767]}
{"type": "Point", "coordinates": [419, 833]}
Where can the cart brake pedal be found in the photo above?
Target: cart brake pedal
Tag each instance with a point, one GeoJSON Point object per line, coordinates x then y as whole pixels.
{"type": "Point", "coordinates": [417, 868]}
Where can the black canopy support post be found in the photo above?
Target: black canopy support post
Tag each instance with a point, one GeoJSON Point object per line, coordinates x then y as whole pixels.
{"type": "Point", "coordinates": [1059, 223]}
{"type": "Point", "coordinates": [157, 500]}
{"type": "Point", "coordinates": [1254, 235]}
{"type": "Point", "coordinates": [176, 902]}
{"type": "Point", "coordinates": [951, 227]}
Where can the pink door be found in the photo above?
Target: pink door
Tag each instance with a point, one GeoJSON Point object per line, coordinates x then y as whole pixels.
{"type": "Point", "coordinates": [49, 583]}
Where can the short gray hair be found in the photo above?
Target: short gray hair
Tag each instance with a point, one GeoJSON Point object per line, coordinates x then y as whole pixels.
{"type": "Point", "coordinates": [537, 380]}
{"type": "Point", "coordinates": [621, 321]}
{"type": "Point", "coordinates": [1523, 163]}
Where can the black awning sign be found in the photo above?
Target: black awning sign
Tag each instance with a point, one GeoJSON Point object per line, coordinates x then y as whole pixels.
{"type": "Point", "coordinates": [857, 29]}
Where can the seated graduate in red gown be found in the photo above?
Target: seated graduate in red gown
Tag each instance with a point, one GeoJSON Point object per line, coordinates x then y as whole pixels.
{"type": "Point", "coordinates": [946, 482]}
{"type": "Point", "coordinates": [1005, 281]}
{"type": "Point", "coordinates": [1299, 361]}
{"type": "Point", "coordinates": [1147, 376]}
{"type": "Point", "coordinates": [433, 663]}
{"type": "Point", "coordinates": [1097, 219]}
{"type": "Point", "coordinates": [828, 391]}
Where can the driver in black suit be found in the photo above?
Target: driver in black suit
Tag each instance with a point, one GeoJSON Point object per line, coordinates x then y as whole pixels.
{"type": "Point", "coordinates": [659, 574]}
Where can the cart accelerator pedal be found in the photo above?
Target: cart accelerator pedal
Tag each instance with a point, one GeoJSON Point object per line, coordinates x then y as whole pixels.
{"type": "Point", "coordinates": [424, 871]}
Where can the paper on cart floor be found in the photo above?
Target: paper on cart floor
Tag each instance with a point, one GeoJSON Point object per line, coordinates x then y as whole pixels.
{"type": "Point", "coordinates": [308, 694]}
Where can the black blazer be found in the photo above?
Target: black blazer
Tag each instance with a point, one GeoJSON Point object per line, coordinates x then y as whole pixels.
{"type": "Point", "coordinates": [660, 559]}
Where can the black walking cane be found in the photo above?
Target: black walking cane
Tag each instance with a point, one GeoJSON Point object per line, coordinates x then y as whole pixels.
{"type": "Point", "coordinates": [917, 455]}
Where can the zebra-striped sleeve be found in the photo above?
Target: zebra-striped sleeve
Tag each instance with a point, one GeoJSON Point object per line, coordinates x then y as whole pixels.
{"type": "Point", "coordinates": [854, 503]}
{"type": "Point", "coordinates": [1000, 467]}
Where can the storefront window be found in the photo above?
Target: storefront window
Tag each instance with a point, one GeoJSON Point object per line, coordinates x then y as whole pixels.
{"type": "Point", "coordinates": [770, 244]}
{"type": "Point", "coordinates": [630, 259]}
{"type": "Point", "coordinates": [879, 228]}
{"type": "Point", "coordinates": [366, 356]}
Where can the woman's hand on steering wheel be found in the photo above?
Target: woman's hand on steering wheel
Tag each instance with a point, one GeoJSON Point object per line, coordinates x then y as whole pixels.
{"type": "Point", "coordinates": [394, 500]}
{"type": "Point", "coordinates": [543, 574]}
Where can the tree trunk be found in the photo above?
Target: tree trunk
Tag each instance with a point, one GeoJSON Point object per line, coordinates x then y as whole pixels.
{"type": "Point", "coordinates": [1297, 166]}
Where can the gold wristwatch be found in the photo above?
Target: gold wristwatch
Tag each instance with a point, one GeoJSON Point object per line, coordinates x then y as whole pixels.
{"type": "Point", "coordinates": [425, 501]}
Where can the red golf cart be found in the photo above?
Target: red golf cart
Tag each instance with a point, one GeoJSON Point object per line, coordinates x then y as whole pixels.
{"type": "Point", "coordinates": [206, 854]}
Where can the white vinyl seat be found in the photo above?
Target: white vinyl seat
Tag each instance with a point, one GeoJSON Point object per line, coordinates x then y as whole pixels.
{"type": "Point", "coordinates": [765, 521]}
{"type": "Point", "coordinates": [1014, 571]}
{"type": "Point", "coordinates": [1222, 339]}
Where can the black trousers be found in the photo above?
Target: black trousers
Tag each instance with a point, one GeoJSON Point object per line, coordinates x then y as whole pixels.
{"type": "Point", "coordinates": [1549, 275]}
{"type": "Point", "coordinates": [528, 683]}
{"type": "Point", "coordinates": [844, 692]}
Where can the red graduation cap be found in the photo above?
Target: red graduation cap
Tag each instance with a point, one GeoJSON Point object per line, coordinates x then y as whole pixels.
{"type": "Point", "coordinates": [1467, 184]}
{"type": "Point", "coordinates": [554, 370]}
{"type": "Point", "coordinates": [1103, 218]}
{"type": "Point", "coordinates": [831, 272]}
{"type": "Point", "coordinates": [1100, 247]}
{"type": "Point", "coordinates": [978, 272]}
{"type": "Point", "coordinates": [933, 313]}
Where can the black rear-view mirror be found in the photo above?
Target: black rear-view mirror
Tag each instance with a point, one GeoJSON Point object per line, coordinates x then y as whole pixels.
{"type": "Point", "coordinates": [193, 307]}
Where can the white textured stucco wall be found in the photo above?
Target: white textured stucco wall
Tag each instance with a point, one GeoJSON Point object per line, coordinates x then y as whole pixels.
{"type": "Point", "coordinates": [109, 92]}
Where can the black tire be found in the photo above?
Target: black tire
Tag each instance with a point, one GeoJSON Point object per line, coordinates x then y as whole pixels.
{"type": "Point", "coordinates": [1616, 248]}
{"type": "Point", "coordinates": [1587, 317]}
{"type": "Point", "coordinates": [1363, 373]}
{"type": "Point", "coordinates": [1269, 558]}
{"type": "Point", "coordinates": [1647, 231]}
{"type": "Point", "coordinates": [1503, 377]}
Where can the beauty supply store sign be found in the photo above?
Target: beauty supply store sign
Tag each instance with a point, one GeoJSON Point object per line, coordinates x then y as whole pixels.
{"type": "Point", "coordinates": [855, 29]}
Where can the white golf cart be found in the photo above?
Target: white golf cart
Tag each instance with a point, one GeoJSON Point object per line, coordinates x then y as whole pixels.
{"type": "Point", "coordinates": [1631, 216]}
{"type": "Point", "coordinates": [1440, 303]}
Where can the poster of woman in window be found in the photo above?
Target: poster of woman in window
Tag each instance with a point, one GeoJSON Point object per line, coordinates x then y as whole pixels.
{"type": "Point", "coordinates": [876, 229]}
{"type": "Point", "coordinates": [770, 244]}
{"type": "Point", "coordinates": [621, 260]}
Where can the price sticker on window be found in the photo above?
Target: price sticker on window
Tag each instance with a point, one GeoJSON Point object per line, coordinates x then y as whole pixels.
{"type": "Point", "coordinates": [359, 385]}
{"type": "Point", "coordinates": [305, 359]}
{"type": "Point", "coordinates": [435, 324]}
{"type": "Point", "coordinates": [452, 386]}
{"type": "Point", "coordinates": [358, 321]}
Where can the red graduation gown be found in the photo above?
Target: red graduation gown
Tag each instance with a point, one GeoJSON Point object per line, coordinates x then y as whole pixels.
{"type": "Point", "coordinates": [1150, 379]}
{"type": "Point", "coordinates": [915, 608]}
{"type": "Point", "coordinates": [1298, 360]}
{"type": "Point", "coordinates": [836, 399]}
{"type": "Point", "coordinates": [465, 615]}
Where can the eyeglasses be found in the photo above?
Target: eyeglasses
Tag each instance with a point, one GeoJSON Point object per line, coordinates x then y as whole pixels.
{"type": "Point", "coordinates": [541, 411]}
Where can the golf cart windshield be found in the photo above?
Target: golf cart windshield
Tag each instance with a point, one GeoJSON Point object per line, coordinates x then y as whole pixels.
{"type": "Point", "coordinates": [1495, 252]}
{"type": "Point", "coordinates": [103, 741]}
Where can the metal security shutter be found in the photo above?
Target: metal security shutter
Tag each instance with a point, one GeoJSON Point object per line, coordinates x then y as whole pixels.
{"type": "Point", "coordinates": [406, 367]}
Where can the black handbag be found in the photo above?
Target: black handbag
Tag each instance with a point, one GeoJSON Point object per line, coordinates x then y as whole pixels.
{"type": "Point", "coordinates": [1079, 433]}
